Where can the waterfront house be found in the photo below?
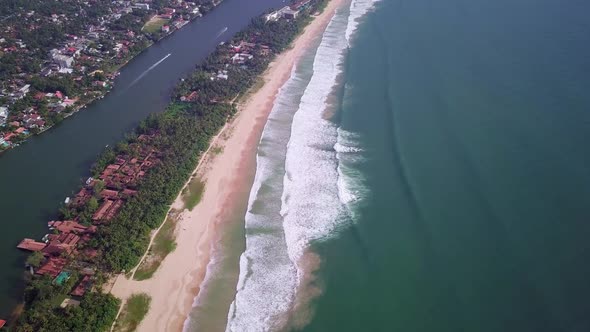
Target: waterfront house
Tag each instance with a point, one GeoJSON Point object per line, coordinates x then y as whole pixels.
{"type": "Point", "coordinates": [70, 226]}
{"type": "Point", "coordinates": [274, 16]}
{"type": "Point", "coordinates": [290, 14]}
{"type": "Point", "coordinates": [31, 245]}
{"type": "Point", "coordinates": [60, 243]}
{"type": "Point", "coordinates": [190, 97]}
{"type": "Point", "coordinates": [52, 267]}
{"type": "Point", "coordinates": [82, 197]}
{"type": "Point", "coordinates": [9, 136]}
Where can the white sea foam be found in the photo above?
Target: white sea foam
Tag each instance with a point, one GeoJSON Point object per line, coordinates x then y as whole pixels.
{"type": "Point", "coordinates": [358, 9]}
{"type": "Point", "coordinates": [266, 284]}
{"type": "Point", "coordinates": [311, 206]}
{"type": "Point", "coordinates": [301, 191]}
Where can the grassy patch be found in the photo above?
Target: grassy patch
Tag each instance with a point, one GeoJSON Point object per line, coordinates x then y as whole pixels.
{"type": "Point", "coordinates": [147, 269]}
{"type": "Point", "coordinates": [163, 245]}
{"type": "Point", "coordinates": [57, 300]}
{"type": "Point", "coordinates": [217, 150]}
{"type": "Point", "coordinates": [133, 312]}
{"type": "Point", "coordinates": [192, 194]}
{"type": "Point", "coordinates": [176, 108]}
{"type": "Point", "coordinates": [154, 25]}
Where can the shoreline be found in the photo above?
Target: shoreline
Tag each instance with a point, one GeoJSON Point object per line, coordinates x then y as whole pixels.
{"type": "Point", "coordinates": [176, 284]}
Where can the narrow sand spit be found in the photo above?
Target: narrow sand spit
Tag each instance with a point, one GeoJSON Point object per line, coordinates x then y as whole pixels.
{"type": "Point", "coordinates": [176, 283]}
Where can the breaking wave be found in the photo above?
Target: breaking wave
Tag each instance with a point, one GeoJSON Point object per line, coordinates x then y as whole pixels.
{"type": "Point", "coordinates": [303, 191]}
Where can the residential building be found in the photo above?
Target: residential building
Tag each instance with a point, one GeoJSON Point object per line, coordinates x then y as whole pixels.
{"type": "Point", "coordinates": [3, 115]}
{"type": "Point", "coordinates": [63, 61]}
{"type": "Point", "coordinates": [142, 6]}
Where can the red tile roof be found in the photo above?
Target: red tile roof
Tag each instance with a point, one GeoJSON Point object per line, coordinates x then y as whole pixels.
{"type": "Point", "coordinates": [82, 287]}
{"type": "Point", "coordinates": [52, 267]}
{"type": "Point", "coordinates": [109, 194]}
{"type": "Point", "coordinates": [31, 245]}
{"type": "Point", "coordinates": [102, 210]}
{"type": "Point", "coordinates": [129, 192]}
{"type": "Point", "coordinates": [70, 226]}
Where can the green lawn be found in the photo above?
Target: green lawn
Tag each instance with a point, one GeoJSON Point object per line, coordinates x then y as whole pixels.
{"type": "Point", "coordinates": [154, 25]}
{"type": "Point", "coordinates": [191, 195]}
{"type": "Point", "coordinates": [164, 243]}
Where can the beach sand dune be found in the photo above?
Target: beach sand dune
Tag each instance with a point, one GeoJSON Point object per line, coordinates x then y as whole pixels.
{"type": "Point", "coordinates": [227, 176]}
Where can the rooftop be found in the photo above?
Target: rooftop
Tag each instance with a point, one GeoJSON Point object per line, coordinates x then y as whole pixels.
{"type": "Point", "coordinates": [31, 245]}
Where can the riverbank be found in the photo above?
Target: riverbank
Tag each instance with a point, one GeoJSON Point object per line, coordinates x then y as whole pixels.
{"type": "Point", "coordinates": [110, 75]}
{"type": "Point", "coordinates": [175, 285]}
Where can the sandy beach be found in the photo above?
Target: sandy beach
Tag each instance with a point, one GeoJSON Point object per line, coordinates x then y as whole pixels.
{"type": "Point", "coordinates": [227, 175]}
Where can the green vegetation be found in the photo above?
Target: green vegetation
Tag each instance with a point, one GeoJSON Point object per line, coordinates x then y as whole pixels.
{"type": "Point", "coordinates": [192, 193]}
{"type": "Point", "coordinates": [35, 259]}
{"type": "Point", "coordinates": [164, 243]}
{"type": "Point", "coordinates": [182, 133]}
{"type": "Point", "coordinates": [133, 312]}
{"type": "Point", "coordinates": [257, 85]}
{"type": "Point", "coordinates": [217, 150]}
{"type": "Point", "coordinates": [154, 25]}
{"type": "Point", "coordinates": [95, 313]}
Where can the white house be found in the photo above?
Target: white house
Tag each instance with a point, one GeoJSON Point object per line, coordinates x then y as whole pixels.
{"type": "Point", "coordinates": [3, 115]}
{"type": "Point", "coordinates": [63, 61]}
{"type": "Point", "coordinates": [143, 6]}
{"type": "Point", "coordinates": [274, 16]}
{"type": "Point", "coordinates": [241, 57]}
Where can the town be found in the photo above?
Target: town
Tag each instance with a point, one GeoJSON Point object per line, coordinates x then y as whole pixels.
{"type": "Point", "coordinates": [56, 58]}
{"type": "Point", "coordinates": [100, 199]}
{"type": "Point", "coordinates": [97, 203]}
{"type": "Point", "coordinates": [104, 229]}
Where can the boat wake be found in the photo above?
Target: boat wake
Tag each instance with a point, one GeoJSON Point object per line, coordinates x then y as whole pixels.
{"type": "Point", "coordinates": [221, 32]}
{"type": "Point", "coordinates": [148, 70]}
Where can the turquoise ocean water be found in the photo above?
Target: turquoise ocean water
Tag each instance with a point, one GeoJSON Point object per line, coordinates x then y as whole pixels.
{"type": "Point", "coordinates": [426, 168]}
{"type": "Point", "coordinates": [474, 121]}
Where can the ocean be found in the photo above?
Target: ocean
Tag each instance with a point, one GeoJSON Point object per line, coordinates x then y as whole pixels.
{"type": "Point", "coordinates": [426, 168]}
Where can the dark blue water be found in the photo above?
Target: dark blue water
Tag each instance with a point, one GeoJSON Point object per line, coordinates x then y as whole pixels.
{"type": "Point", "coordinates": [474, 117]}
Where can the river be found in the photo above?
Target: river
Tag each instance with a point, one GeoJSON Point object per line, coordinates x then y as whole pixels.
{"type": "Point", "coordinates": [37, 176]}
